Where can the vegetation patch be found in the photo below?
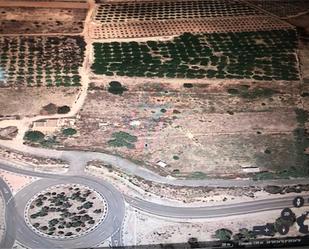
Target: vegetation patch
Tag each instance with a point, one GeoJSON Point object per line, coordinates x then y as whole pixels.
{"type": "Point", "coordinates": [261, 55]}
{"type": "Point", "coordinates": [34, 136]}
{"type": "Point", "coordinates": [40, 60]}
{"type": "Point", "coordinates": [223, 234]}
{"type": "Point", "coordinates": [116, 88]}
{"type": "Point", "coordinates": [122, 139]}
{"type": "Point", "coordinates": [69, 132]}
{"type": "Point", "coordinates": [63, 109]}
{"type": "Point", "coordinates": [66, 211]}
{"type": "Point", "coordinates": [50, 109]}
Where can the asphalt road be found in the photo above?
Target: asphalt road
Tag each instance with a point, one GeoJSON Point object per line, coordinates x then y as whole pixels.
{"type": "Point", "coordinates": [108, 227]}
{"type": "Point", "coordinates": [212, 211]}
{"type": "Point", "coordinates": [10, 220]}
{"type": "Point", "coordinates": [112, 224]}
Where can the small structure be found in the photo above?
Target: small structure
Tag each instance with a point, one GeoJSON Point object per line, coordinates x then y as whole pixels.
{"type": "Point", "coordinates": [161, 164]}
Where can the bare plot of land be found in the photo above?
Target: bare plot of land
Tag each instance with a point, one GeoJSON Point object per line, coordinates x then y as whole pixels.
{"type": "Point", "coordinates": [282, 8]}
{"type": "Point", "coordinates": [41, 20]}
{"type": "Point", "coordinates": [29, 101]}
{"type": "Point", "coordinates": [82, 4]}
{"type": "Point", "coordinates": [215, 133]}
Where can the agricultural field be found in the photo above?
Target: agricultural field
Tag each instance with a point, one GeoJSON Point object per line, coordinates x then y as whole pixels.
{"type": "Point", "coordinates": [282, 8]}
{"type": "Point", "coordinates": [164, 10]}
{"type": "Point", "coordinates": [41, 20]}
{"type": "Point", "coordinates": [264, 55]}
{"type": "Point", "coordinates": [37, 61]}
{"type": "Point", "coordinates": [131, 19]}
{"type": "Point", "coordinates": [197, 130]}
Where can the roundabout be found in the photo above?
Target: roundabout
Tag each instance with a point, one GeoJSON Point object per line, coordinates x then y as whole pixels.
{"type": "Point", "coordinates": [102, 225]}
{"type": "Point", "coordinates": [65, 211]}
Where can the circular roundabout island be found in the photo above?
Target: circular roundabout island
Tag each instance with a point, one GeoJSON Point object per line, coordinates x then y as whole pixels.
{"type": "Point", "coordinates": [65, 211]}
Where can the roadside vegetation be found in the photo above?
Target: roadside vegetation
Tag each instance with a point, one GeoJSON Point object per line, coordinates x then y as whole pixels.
{"type": "Point", "coordinates": [122, 139]}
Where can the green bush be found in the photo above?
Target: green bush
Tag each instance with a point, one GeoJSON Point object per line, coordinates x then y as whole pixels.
{"type": "Point", "coordinates": [116, 88]}
{"type": "Point", "coordinates": [122, 139]}
{"type": "Point", "coordinates": [63, 109]}
{"type": "Point", "coordinates": [34, 136]}
{"type": "Point", "coordinates": [69, 132]}
{"type": "Point", "coordinates": [223, 234]}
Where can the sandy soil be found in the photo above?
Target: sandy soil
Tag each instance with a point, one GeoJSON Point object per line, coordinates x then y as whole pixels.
{"type": "Point", "coordinates": [29, 101]}
{"type": "Point", "coordinates": [52, 4]}
{"type": "Point", "coordinates": [141, 228]}
{"type": "Point", "coordinates": [41, 20]}
{"type": "Point", "coordinates": [205, 129]}
{"type": "Point", "coordinates": [15, 181]}
{"type": "Point", "coordinates": [26, 161]}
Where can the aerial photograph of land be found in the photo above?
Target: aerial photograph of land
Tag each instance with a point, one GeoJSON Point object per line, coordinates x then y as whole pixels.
{"type": "Point", "coordinates": [154, 123]}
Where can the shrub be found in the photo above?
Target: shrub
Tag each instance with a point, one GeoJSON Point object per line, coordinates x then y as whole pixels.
{"type": "Point", "coordinates": [122, 139]}
{"type": "Point", "coordinates": [63, 109]}
{"type": "Point", "coordinates": [116, 88]}
{"type": "Point", "coordinates": [34, 136]}
{"type": "Point", "coordinates": [223, 234]}
{"type": "Point", "coordinates": [69, 132]}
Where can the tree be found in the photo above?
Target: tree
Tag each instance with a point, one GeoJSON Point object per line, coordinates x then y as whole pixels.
{"type": "Point", "coordinates": [69, 132]}
{"type": "Point", "coordinates": [63, 109]}
{"type": "Point", "coordinates": [116, 88]}
{"type": "Point", "coordinates": [34, 136]}
{"type": "Point", "coordinates": [223, 234]}
{"type": "Point", "coordinates": [53, 222]}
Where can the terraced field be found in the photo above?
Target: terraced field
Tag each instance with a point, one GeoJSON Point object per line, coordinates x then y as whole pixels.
{"type": "Point", "coordinates": [247, 55]}
{"type": "Point", "coordinates": [36, 61]}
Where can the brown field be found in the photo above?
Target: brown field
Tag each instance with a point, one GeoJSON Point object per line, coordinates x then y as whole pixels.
{"type": "Point", "coordinates": [29, 101]}
{"type": "Point", "coordinates": [177, 27]}
{"type": "Point", "coordinates": [198, 129]}
{"type": "Point", "coordinates": [41, 20]}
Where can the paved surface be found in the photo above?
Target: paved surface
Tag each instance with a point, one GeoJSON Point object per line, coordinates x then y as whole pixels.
{"type": "Point", "coordinates": [78, 160]}
{"type": "Point", "coordinates": [111, 226]}
{"type": "Point", "coordinates": [10, 219]}
{"type": "Point", "coordinates": [104, 230]}
{"type": "Point", "coordinates": [211, 211]}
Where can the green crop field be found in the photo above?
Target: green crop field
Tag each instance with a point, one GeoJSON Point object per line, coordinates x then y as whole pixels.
{"type": "Point", "coordinates": [36, 61]}
{"type": "Point", "coordinates": [262, 55]}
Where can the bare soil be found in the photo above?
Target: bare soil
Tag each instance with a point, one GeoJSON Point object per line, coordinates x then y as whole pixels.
{"type": "Point", "coordinates": [193, 129]}
{"type": "Point", "coordinates": [30, 20]}
{"type": "Point", "coordinates": [30, 101]}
